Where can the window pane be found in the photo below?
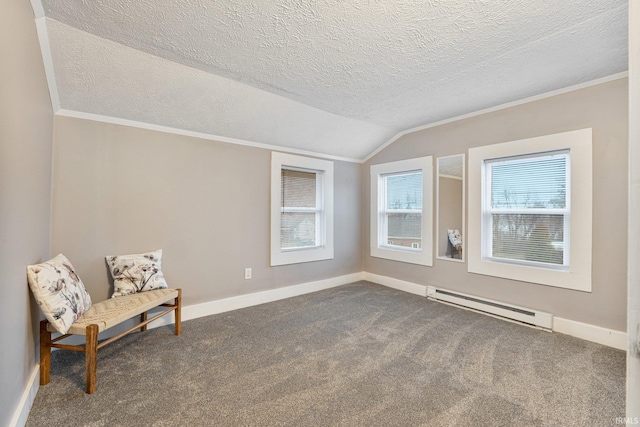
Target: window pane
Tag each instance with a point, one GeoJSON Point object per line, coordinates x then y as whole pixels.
{"type": "Point", "coordinates": [404, 229]}
{"type": "Point", "coordinates": [297, 229]}
{"type": "Point", "coordinates": [530, 183]}
{"type": "Point", "coordinates": [537, 238]}
{"type": "Point", "coordinates": [404, 191]}
{"type": "Point", "coordinates": [298, 189]}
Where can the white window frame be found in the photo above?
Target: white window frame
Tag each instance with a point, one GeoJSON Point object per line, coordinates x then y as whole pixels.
{"type": "Point", "coordinates": [324, 212]}
{"type": "Point", "coordinates": [576, 273]}
{"type": "Point", "coordinates": [378, 242]}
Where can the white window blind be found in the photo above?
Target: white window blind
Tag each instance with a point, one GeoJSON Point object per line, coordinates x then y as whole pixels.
{"type": "Point", "coordinates": [526, 215]}
{"type": "Point", "coordinates": [301, 209]}
{"type": "Point", "coordinates": [401, 213]}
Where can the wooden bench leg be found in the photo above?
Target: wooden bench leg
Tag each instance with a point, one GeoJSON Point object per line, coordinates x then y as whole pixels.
{"type": "Point", "coordinates": [91, 357]}
{"type": "Point", "coordinates": [143, 318]}
{"type": "Point", "coordinates": [178, 312]}
{"type": "Point", "coordinates": [45, 353]}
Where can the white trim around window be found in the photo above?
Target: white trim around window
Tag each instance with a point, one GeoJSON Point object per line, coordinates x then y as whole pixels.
{"type": "Point", "coordinates": [398, 249]}
{"type": "Point", "coordinates": [574, 272]}
{"type": "Point", "coordinates": [321, 247]}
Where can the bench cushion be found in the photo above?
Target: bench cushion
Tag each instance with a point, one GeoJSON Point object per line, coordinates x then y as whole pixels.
{"type": "Point", "coordinates": [110, 312]}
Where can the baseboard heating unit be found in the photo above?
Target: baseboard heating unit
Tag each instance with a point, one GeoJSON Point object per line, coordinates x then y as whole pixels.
{"type": "Point", "coordinates": [513, 312]}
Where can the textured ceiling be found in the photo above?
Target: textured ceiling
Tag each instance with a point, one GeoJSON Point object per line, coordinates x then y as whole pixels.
{"type": "Point", "coordinates": [328, 76]}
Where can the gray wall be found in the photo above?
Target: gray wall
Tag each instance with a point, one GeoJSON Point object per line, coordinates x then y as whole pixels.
{"type": "Point", "coordinates": [26, 125]}
{"type": "Point", "coordinates": [603, 108]}
{"type": "Point", "coordinates": [119, 190]}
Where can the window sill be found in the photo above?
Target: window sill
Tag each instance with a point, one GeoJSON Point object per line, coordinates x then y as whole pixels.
{"type": "Point", "coordinates": [403, 255]}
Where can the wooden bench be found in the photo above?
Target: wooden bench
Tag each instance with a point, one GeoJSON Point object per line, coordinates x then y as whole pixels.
{"type": "Point", "coordinates": [102, 316]}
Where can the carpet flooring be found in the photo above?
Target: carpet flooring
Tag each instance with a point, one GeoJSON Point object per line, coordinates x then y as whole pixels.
{"type": "Point", "coordinates": [356, 355]}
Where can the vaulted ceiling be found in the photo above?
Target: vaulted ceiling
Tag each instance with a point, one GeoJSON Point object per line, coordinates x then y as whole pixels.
{"type": "Point", "coordinates": [328, 76]}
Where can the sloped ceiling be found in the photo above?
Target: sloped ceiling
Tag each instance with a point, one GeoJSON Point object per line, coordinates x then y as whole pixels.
{"type": "Point", "coordinates": [326, 76]}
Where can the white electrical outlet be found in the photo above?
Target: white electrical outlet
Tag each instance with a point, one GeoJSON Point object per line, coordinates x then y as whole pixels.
{"type": "Point", "coordinates": [247, 273]}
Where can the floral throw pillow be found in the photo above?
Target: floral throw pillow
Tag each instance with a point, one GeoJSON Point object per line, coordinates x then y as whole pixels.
{"type": "Point", "coordinates": [58, 291]}
{"type": "Point", "coordinates": [455, 238]}
{"type": "Point", "coordinates": [136, 273]}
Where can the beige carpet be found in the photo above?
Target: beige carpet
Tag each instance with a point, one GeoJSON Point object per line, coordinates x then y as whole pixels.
{"type": "Point", "coordinates": [357, 355]}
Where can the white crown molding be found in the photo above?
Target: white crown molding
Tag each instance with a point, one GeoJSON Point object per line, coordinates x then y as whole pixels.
{"type": "Point", "coordinates": [38, 9]}
{"type": "Point", "coordinates": [201, 135]}
{"type": "Point", "coordinates": [166, 129]}
{"type": "Point", "coordinates": [47, 59]}
{"type": "Point", "coordinates": [40, 20]}
{"type": "Point", "coordinates": [561, 91]}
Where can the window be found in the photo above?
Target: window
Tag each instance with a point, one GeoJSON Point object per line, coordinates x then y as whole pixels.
{"type": "Point", "coordinates": [301, 209]}
{"type": "Point", "coordinates": [530, 210]}
{"type": "Point", "coordinates": [401, 214]}
{"type": "Point", "coordinates": [401, 210]}
{"type": "Point", "coordinates": [526, 214]}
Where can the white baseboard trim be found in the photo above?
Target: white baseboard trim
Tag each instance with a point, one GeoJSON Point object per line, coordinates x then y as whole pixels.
{"type": "Point", "coordinates": [228, 304]}
{"type": "Point", "coordinates": [257, 298]}
{"type": "Point", "coordinates": [26, 401]}
{"type": "Point", "coordinates": [401, 285]}
{"type": "Point", "coordinates": [608, 337]}
{"type": "Point", "coordinates": [597, 334]}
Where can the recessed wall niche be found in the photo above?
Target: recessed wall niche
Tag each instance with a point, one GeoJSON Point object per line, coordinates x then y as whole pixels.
{"type": "Point", "coordinates": [450, 235]}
